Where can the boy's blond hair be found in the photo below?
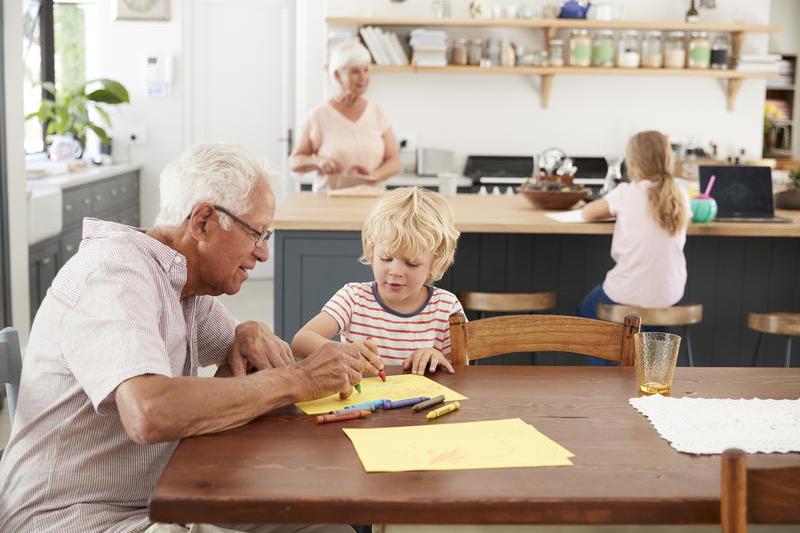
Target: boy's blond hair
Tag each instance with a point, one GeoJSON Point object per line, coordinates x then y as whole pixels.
{"type": "Point", "coordinates": [412, 221]}
{"type": "Point", "coordinates": [649, 157]}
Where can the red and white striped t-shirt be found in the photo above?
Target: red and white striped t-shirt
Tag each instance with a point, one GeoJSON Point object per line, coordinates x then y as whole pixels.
{"type": "Point", "coordinates": [361, 315]}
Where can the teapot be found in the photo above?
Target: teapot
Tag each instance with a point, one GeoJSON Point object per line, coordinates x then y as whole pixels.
{"type": "Point", "coordinates": [573, 9]}
{"type": "Point", "coordinates": [64, 148]}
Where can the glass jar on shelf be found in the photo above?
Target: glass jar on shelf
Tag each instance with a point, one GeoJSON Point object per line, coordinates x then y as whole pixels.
{"type": "Point", "coordinates": [720, 51]}
{"type": "Point", "coordinates": [459, 54]}
{"type": "Point", "coordinates": [603, 49]}
{"type": "Point", "coordinates": [699, 53]}
{"type": "Point", "coordinates": [556, 53]}
{"type": "Point", "coordinates": [675, 50]}
{"type": "Point", "coordinates": [628, 53]}
{"type": "Point", "coordinates": [652, 53]}
{"type": "Point", "coordinates": [475, 52]}
{"type": "Point", "coordinates": [507, 56]}
{"type": "Point", "coordinates": [580, 48]}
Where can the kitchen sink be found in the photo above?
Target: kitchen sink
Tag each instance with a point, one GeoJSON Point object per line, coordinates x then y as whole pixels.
{"type": "Point", "coordinates": [44, 213]}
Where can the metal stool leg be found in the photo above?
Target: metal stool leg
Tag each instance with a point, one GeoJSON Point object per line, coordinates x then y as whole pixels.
{"type": "Point", "coordinates": [688, 335]}
{"type": "Point", "coordinates": [788, 351]}
{"type": "Point", "coordinates": [758, 345]}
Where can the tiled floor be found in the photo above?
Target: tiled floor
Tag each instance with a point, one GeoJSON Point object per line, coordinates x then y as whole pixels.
{"type": "Point", "coordinates": [253, 302]}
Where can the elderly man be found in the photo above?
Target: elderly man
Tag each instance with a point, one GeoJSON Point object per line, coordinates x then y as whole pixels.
{"type": "Point", "coordinates": [109, 382]}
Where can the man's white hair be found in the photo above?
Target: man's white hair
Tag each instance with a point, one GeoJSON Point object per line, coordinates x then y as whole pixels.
{"type": "Point", "coordinates": [348, 54]}
{"type": "Point", "coordinates": [217, 173]}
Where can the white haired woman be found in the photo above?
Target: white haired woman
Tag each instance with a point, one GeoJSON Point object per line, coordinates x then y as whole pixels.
{"type": "Point", "coordinates": [348, 140]}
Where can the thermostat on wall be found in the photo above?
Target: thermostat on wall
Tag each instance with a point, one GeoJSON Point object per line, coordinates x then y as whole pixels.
{"type": "Point", "coordinates": [158, 75]}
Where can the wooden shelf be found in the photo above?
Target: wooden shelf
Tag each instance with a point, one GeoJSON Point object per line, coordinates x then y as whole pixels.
{"type": "Point", "coordinates": [557, 23]}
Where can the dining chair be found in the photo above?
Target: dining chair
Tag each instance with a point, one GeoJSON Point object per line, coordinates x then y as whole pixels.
{"type": "Point", "coordinates": [756, 495]}
{"type": "Point", "coordinates": [487, 337]}
{"type": "Point", "coordinates": [10, 368]}
{"type": "Point", "coordinates": [677, 315]}
{"type": "Point", "coordinates": [787, 324]}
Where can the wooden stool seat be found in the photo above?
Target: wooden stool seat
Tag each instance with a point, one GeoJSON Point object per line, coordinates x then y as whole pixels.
{"type": "Point", "coordinates": [777, 324]}
{"type": "Point", "coordinates": [507, 302]}
{"type": "Point", "coordinates": [677, 315]}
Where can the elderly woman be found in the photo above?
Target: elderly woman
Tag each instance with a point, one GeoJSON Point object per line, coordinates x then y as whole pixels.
{"type": "Point", "coordinates": [347, 140]}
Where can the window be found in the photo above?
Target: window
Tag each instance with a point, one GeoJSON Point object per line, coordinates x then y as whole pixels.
{"type": "Point", "coordinates": [54, 50]}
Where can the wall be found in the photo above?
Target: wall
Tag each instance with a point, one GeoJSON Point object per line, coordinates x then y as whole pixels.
{"type": "Point", "coordinates": [15, 165]}
{"type": "Point", "coordinates": [587, 115]}
{"type": "Point", "coordinates": [787, 13]}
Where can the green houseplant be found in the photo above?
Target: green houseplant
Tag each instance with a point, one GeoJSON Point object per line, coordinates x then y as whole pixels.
{"type": "Point", "coordinates": [790, 198]}
{"type": "Point", "coordinates": [67, 112]}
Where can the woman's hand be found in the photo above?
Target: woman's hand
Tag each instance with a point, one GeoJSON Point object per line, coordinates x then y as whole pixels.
{"type": "Point", "coordinates": [327, 165]}
{"type": "Point", "coordinates": [423, 357]}
{"type": "Point", "coordinates": [360, 172]}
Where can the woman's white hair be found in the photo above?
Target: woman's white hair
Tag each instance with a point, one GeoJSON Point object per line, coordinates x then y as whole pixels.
{"type": "Point", "coordinates": [348, 54]}
{"type": "Point", "coordinates": [217, 173]}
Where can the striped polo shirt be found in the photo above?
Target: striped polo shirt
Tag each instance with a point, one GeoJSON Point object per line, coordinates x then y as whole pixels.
{"type": "Point", "coordinates": [362, 315]}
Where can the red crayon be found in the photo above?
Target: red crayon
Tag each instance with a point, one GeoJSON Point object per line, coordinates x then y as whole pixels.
{"type": "Point", "coordinates": [382, 375]}
{"type": "Point", "coordinates": [324, 419]}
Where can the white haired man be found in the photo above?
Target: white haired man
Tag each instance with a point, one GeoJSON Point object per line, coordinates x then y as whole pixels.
{"type": "Point", "coordinates": [109, 381]}
{"type": "Point", "coordinates": [348, 140]}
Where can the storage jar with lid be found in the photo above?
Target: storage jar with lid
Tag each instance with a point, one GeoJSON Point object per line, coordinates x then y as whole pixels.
{"type": "Point", "coordinates": [459, 55]}
{"type": "Point", "coordinates": [475, 51]}
{"type": "Point", "coordinates": [652, 54]}
{"type": "Point", "coordinates": [699, 55]}
{"type": "Point", "coordinates": [603, 49]}
{"type": "Point", "coordinates": [674, 50]}
{"type": "Point", "coordinates": [580, 48]}
{"type": "Point", "coordinates": [556, 53]}
{"type": "Point", "coordinates": [507, 56]}
{"type": "Point", "coordinates": [720, 50]}
{"type": "Point", "coordinates": [628, 55]}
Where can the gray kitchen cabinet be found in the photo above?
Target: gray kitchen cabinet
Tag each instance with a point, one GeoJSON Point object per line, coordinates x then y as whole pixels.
{"type": "Point", "coordinates": [115, 199]}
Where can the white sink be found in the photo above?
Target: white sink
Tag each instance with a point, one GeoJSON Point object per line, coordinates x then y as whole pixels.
{"type": "Point", "coordinates": [44, 213]}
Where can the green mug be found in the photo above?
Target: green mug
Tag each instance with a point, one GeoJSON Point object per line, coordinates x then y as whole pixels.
{"type": "Point", "coordinates": [704, 209]}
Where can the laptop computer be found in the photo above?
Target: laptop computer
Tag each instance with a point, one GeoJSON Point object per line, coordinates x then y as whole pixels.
{"type": "Point", "coordinates": [743, 193]}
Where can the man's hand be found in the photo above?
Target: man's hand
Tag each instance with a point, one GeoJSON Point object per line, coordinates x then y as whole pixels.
{"type": "Point", "coordinates": [255, 346]}
{"type": "Point", "coordinates": [333, 367]}
{"type": "Point", "coordinates": [422, 357]}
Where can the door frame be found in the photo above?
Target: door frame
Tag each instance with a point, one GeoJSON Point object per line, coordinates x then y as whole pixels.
{"type": "Point", "coordinates": [5, 265]}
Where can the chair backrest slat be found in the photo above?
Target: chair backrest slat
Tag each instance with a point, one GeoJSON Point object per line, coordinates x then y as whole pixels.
{"type": "Point", "coordinates": [542, 333]}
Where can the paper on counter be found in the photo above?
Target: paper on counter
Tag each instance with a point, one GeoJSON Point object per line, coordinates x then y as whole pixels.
{"type": "Point", "coordinates": [509, 443]}
{"type": "Point", "coordinates": [396, 388]}
{"type": "Point", "coordinates": [572, 216]}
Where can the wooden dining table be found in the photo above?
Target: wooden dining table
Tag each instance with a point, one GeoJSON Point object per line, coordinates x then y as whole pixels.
{"type": "Point", "coordinates": [284, 468]}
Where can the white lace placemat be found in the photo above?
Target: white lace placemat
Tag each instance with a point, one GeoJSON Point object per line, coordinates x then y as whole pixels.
{"type": "Point", "coordinates": [710, 426]}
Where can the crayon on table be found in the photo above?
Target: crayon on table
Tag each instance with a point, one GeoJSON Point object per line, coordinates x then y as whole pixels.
{"type": "Point", "coordinates": [378, 404]}
{"type": "Point", "coordinates": [449, 408]}
{"type": "Point", "coordinates": [363, 407]}
{"type": "Point", "coordinates": [352, 415]}
{"type": "Point", "coordinates": [428, 403]}
{"type": "Point", "coordinates": [407, 402]}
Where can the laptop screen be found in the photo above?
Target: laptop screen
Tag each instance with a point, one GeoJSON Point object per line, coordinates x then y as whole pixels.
{"type": "Point", "coordinates": [740, 191]}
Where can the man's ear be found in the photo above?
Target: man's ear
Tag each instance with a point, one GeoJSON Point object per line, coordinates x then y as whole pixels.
{"type": "Point", "coordinates": [198, 220]}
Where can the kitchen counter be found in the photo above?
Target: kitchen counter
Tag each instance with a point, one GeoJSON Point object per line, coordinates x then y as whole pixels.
{"type": "Point", "coordinates": [81, 177]}
{"type": "Point", "coordinates": [398, 180]}
{"type": "Point", "coordinates": [489, 214]}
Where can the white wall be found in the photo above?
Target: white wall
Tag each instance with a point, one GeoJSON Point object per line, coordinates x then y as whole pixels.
{"type": "Point", "coordinates": [496, 114]}
{"type": "Point", "coordinates": [787, 14]}
{"type": "Point", "coordinates": [15, 165]}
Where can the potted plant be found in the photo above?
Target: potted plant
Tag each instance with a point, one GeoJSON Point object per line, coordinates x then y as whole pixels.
{"type": "Point", "coordinates": [790, 198]}
{"type": "Point", "coordinates": [67, 117]}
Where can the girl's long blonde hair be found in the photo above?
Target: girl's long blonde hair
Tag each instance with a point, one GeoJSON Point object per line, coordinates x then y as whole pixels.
{"type": "Point", "coordinates": [649, 157]}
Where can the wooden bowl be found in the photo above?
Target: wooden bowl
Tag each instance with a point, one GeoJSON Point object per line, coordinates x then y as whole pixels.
{"type": "Point", "coordinates": [553, 200]}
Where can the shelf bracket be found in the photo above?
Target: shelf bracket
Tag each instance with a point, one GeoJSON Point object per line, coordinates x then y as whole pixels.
{"type": "Point", "coordinates": [544, 91]}
{"type": "Point", "coordinates": [734, 84]}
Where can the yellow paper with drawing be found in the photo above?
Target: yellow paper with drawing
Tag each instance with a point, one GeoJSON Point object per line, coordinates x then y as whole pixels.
{"type": "Point", "coordinates": [396, 388]}
{"type": "Point", "coordinates": [509, 443]}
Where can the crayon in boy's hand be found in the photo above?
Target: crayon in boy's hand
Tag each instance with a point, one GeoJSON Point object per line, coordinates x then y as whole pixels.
{"type": "Point", "coordinates": [382, 375]}
{"type": "Point", "coordinates": [358, 387]}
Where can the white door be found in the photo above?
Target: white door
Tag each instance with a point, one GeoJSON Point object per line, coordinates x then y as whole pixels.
{"type": "Point", "coordinates": [240, 70]}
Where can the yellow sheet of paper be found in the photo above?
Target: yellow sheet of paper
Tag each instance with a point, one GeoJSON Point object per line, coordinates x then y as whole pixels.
{"type": "Point", "coordinates": [395, 388]}
{"type": "Point", "coordinates": [509, 443]}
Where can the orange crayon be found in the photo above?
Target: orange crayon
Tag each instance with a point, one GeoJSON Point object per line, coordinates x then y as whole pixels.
{"type": "Point", "coordinates": [353, 415]}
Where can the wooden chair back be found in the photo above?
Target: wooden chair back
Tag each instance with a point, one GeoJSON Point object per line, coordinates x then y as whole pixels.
{"type": "Point", "coordinates": [677, 315]}
{"type": "Point", "coordinates": [507, 302]}
{"type": "Point", "coordinates": [757, 495]}
{"type": "Point", "coordinates": [542, 333]}
{"type": "Point", "coordinates": [777, 323]}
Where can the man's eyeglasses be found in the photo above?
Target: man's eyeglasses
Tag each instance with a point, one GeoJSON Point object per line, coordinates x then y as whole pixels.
{"type": "Point", "coordinates": [257, 236]}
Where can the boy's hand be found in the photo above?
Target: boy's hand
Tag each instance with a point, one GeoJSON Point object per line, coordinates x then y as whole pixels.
{"type": "Point", "coordinates": [369, 351]}
{"type": "Point", "coordinates": [422, 357]}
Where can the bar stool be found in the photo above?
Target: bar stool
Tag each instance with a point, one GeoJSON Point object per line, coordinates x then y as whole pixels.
{"type": "Point", "coordinates": [677, 315]}
{"type": "Point", "coordinates": [507, 302]}
{"type": "Point", "coordinates": [775, 323]}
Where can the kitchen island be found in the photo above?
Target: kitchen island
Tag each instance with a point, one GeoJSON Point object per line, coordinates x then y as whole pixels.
{"type": "Point", "coordinates": [506, 245]}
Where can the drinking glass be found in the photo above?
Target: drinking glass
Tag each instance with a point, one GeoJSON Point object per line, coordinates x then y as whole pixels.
{"type": "Point", "coordinates": [656, 356]}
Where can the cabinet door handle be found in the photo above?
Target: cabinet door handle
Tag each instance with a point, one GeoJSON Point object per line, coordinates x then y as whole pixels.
{"type": "Point", "coordinates": [124, 188]}
{"type": "Point", "coordinates": [87, 200]}
{"type": "Point", "coordinates": [99, 197]}
{"type": "Point", "coordinates": [67, 207]}
{"type": "Point", "coordinates": [45, 260]}
{"type": "Point", "coordinates": [69, 247]}
{"type": "Point", "coordinates": [114, 192]}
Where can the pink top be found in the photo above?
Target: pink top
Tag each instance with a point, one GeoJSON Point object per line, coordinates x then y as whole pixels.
{"type": "Point", "coordinates": [350, 143]}
{"type": "Point", "coordinates": [362, 315]}
{"type": "Point", "coordinates": [651, 268]}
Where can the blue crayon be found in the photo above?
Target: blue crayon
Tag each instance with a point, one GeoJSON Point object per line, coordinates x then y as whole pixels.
{"type": "Point", "coordinates": [350, 410]}
{"type": "Point", "coordinates": [408, 402]}
{"type": "Point", "coordinates": [366, 405]}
